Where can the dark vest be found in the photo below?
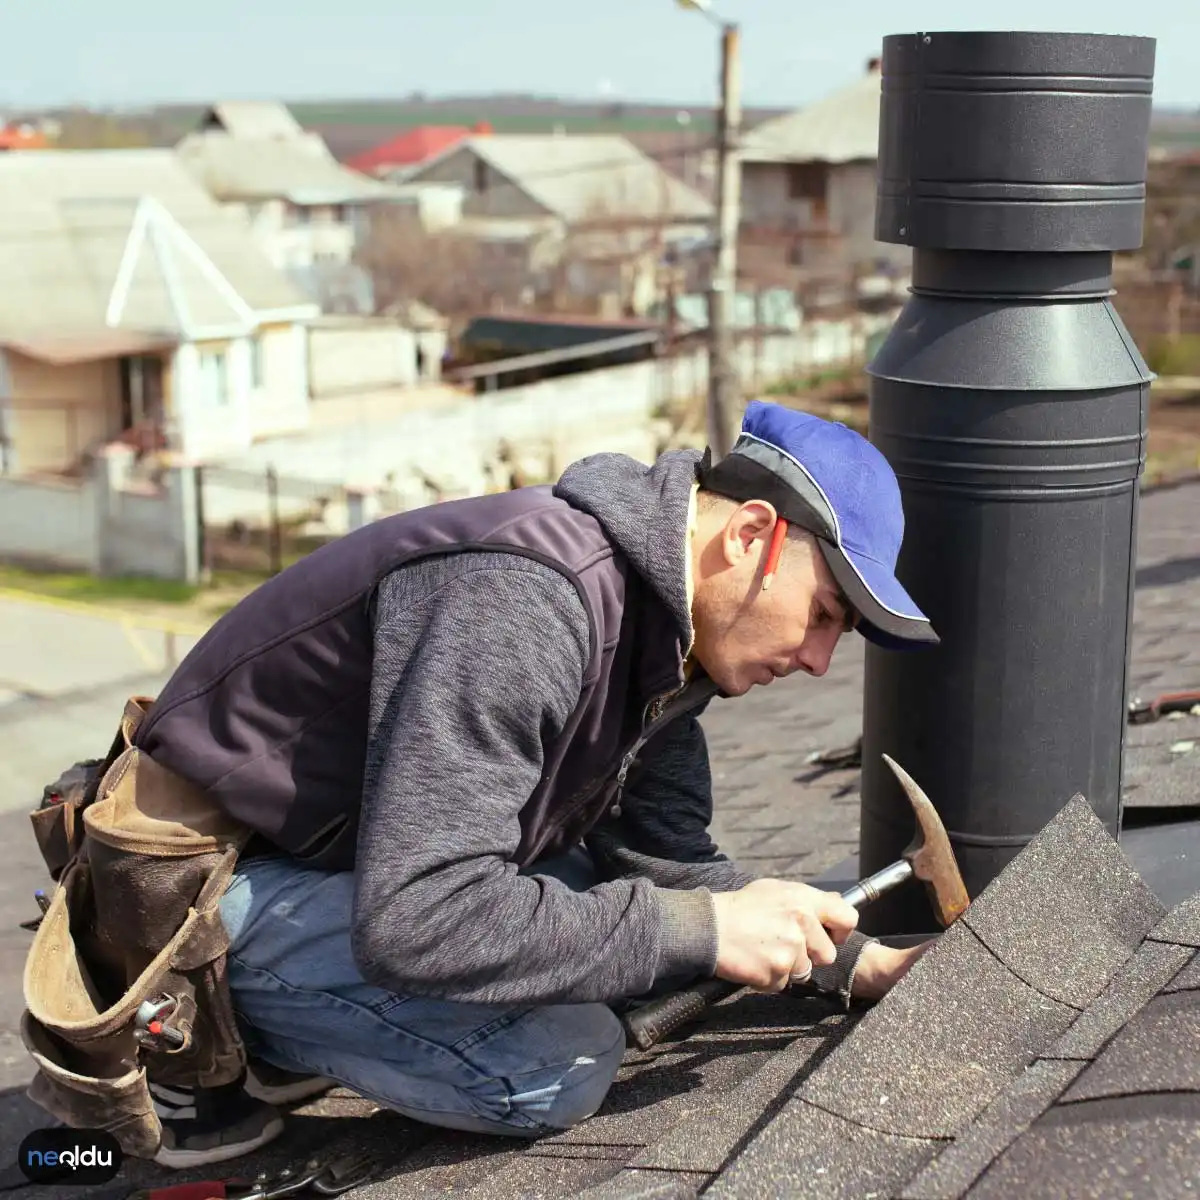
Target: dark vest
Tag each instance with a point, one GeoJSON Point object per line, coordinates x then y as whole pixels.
{"type": "Point", "coordinates": [269, 711]}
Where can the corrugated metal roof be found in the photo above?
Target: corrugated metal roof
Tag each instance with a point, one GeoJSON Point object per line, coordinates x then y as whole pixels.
{"type": "Point", "coordinates": [66, 219]}
{"type": "Point", "coordinates": [840, 128]}
{"type": "Point", "coordinates": [297, 169]}
{"type": "Point", "coordinates": [585, 176]}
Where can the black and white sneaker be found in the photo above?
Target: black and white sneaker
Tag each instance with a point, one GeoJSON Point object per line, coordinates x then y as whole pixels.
{"type": "Point", "coordinates": [274, 1085]}
{"type": "Point", "coordinates": [211, 1125]}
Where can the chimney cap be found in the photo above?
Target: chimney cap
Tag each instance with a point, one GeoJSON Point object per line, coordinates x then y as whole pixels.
{"type": "Point", "coordinates": [873, 65]}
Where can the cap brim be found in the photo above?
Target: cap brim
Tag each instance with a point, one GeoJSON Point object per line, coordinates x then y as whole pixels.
{"type": "Point", "coordinates": [887, 614]}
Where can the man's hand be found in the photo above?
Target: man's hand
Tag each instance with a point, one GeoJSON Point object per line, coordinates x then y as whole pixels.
{"type": "Point", "coordinates": [881, 967]}
{"type": "Point", "coordinates": [771, 930]}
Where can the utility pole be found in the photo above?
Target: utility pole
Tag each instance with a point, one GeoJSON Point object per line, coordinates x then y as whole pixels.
{"type": "Point", "coordinates": [724, 399]}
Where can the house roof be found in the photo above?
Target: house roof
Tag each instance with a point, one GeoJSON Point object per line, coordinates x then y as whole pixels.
{"type": "Point", "coordinates": [298, 169]}
{"type": "Point", "coordinates": [105, 240]}
{"type": "Point", "coordinates": [410, 147]}
{"type": "Point", "coordinates": [1045, 1047]}
{"type": "Point", "coordinates": [254, 119]}
{"type": "Point", "coordinates": [580, 177]}
{"type": "Point", "coordinates": [843, 127]}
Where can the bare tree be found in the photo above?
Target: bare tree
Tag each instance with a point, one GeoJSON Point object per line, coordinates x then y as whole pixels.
{"type": "Point", "coordinates": [452, 272]}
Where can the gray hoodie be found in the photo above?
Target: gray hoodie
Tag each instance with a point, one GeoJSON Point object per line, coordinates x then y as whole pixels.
{"type": "Point", "coordinates": [478, 663]}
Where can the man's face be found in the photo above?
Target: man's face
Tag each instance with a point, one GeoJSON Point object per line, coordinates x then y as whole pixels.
{"type": "Point", "coordinates": [747, 636]}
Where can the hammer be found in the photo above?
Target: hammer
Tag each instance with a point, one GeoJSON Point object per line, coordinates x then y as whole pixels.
{"type": "Point", "coordinates": [928, 857]}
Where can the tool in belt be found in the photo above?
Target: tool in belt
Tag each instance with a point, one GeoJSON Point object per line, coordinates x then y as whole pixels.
{"type": "Point", "coordinates": [315, 1178]}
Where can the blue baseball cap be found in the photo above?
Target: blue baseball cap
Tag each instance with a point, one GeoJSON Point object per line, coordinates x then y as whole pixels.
{"type": "Point", "coordinates": [822, 476]}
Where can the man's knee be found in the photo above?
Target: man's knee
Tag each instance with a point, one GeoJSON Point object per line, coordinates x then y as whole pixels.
{"type": "Point", "coordinates": [583, 1048]}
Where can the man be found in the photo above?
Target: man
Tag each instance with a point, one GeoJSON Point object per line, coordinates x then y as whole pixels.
{"type": "Point", "coordinates": [467, 741]}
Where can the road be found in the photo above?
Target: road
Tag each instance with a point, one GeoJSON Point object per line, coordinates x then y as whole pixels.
{"type": "Point", "coordinates": [64, 678]}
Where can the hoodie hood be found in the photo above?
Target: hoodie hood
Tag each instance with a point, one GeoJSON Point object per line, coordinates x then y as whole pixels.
{"type": "Point", "coordinates": [644, 511]}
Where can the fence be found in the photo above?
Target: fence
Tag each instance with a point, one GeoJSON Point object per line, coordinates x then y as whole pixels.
{"type": "Point", "coordinates": [258, 521]}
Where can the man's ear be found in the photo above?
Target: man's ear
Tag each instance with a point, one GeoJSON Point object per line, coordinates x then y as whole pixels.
{"type": "Point", "coordinates": [748, 524]}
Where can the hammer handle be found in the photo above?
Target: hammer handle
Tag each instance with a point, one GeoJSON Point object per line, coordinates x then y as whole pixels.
{"type": "Point", "coordinates": [649, 1024]}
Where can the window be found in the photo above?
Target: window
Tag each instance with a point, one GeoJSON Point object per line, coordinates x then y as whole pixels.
{"type": "Point", "coordinates": [256, 361]}
{"type": "Point", "coordinates": [213, 378]}
{"type": "Point", "coordinates": [809, 181]}
{"type": "Point", "coordinates": [481, 175]}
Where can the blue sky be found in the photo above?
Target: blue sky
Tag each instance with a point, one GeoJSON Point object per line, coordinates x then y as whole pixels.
{"type": "Point", "coordinates": [146, 51]}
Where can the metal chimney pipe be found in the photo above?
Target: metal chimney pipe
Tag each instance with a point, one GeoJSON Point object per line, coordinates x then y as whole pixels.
{"type": "Point", "coordinates": [1012, 403]}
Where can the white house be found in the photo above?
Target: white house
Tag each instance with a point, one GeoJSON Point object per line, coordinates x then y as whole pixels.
{"type": "Point", "coordinates": [133, 307]}
{"type": "Point", "coordinates": [307, 210]}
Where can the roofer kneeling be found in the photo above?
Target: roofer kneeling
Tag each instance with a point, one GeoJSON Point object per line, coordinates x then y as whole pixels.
{"type": "Point", "coordinates": [449, 798]}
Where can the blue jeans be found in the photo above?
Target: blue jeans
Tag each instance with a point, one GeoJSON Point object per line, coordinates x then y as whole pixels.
{"type": "Point", "coordinates": [303, 1005]}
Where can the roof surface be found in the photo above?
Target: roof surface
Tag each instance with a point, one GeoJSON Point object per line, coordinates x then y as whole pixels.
{"type": "Point", "coordinates": [411, 146]}
{"type": "Point", "coordinates": [1049, 1044]}
{"type": "Point", "coordinates": [843, 127]}
{"type": "Point", "coordinates": [299, 169]}
{"type": "Point", "coordinates": [583, 177]}
{"type": "Point", "coordinates": [69, 216]}
{"type": "Point", "coordinates": [253, 119]}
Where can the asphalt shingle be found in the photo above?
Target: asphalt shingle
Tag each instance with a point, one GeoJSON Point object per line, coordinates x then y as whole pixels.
{"type": "Point", "coordinates": [1160, 770]}
{"type": "Point", "coordinates": [710, 1136]}
{"type": "Point", "coordinates": [809, 1152]}
{"type": "Point", "coordinates": [1068, 911]}
{"type": "Point", "coordinates": [1188, 979]}
{"type": "Point", "coordinates": [935, 1051]}
{"type": "Point", "coordinates": [1151, 1054]}
{"type": "Point", "coordinates": [1108, 1150]}
{"type": "Point", "coordinates": [646, 1185]}
{"type": "Point", "coordinates": [953, 1171]}
{"type": "Point", "coordinates": [1148, 971]}
{"type": "Point", "coordinates": [1181, 925]}
{"type": "Point", "coordinates": [541, 1177]}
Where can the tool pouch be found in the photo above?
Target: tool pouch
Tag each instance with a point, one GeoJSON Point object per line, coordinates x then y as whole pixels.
{"type": "Point", "coordinates": [134, 917]}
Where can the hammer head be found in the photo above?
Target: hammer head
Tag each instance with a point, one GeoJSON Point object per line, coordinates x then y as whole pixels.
{"type": "Point", "coordinates": [930, 854]}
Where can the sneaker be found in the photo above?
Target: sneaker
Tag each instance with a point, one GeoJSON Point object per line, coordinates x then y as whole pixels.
{"type": "Point", "coordinates": [211, 1125]}
{"type": "Point", "coordinates": [274, 1085]}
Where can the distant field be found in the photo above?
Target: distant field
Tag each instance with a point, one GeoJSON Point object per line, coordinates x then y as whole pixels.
{"type": "Point", "coordinates": [401, 118]}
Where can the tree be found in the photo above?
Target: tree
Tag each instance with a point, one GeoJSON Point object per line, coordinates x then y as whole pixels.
{"type": "Point", "coordinates": [451, 272]}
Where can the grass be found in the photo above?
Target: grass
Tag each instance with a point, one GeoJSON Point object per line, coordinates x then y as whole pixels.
{"type": "Point", "coordinates": [91, 589]}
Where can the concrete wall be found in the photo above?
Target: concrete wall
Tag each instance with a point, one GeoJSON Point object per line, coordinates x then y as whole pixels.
{"type": "Point", "coordinates": [549, 424]}
{"type": "Point", "coordinates": [147, 530]}
{"type": "Point", "coordinates": [360, 355]}
{"type": "Point", "coordinates": [56, 413]}
{"type": "Point", "coordinates": [49, 523]}
{"type": "Point", "coordinates": [104, 524]}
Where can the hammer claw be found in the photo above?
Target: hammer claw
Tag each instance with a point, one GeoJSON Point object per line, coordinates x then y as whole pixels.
{"type": "Point", "coordinates": [930, 853]}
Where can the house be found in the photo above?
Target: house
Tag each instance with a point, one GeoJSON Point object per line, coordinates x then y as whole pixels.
{"type": "Point", "coordinates": [21, 137]}
{"type": "Point", "coordinates": [808, 181]}
{"type": "Point", "coordinates": [590, 214]}
{"type": "Point", "coordinates": [132, 306]}
{"type": "Point", "coordinates": [413, 147]}
{"type": "Point", "coordinates": [308, 211]}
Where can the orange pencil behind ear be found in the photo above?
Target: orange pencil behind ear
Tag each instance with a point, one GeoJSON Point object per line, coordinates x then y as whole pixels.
{"type": "Point", "coordinates": [778, 535]}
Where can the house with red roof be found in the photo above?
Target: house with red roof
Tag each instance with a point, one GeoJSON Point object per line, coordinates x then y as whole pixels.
{"type": "Point", "coordinates": [413, 147]}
